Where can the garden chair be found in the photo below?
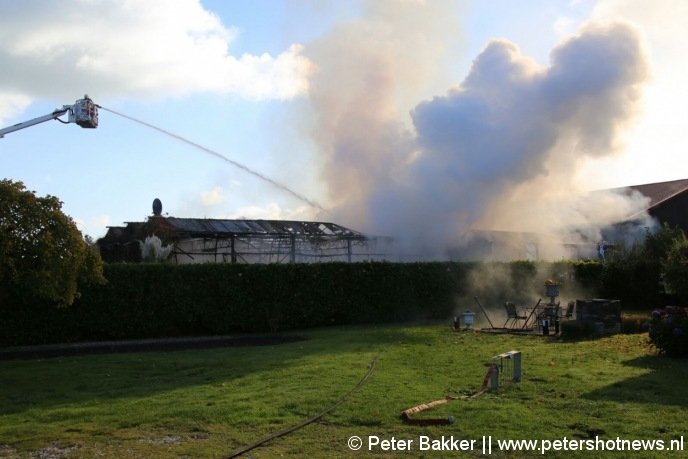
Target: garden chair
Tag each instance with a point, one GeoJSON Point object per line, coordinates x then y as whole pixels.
{"type": "Point", "coordinates": [569, 310]}
{"type": "Point", "coordinates": [512, 315]}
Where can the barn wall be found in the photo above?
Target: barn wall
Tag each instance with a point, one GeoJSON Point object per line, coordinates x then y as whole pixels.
{"type": "Point", "coordinates": [279, 249]}
{"type": "Point", "coordinates": [674, 211]}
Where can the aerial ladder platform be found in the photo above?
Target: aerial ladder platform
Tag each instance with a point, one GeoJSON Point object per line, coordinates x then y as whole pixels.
{"type": "Point", "coordinates": [84, 113]}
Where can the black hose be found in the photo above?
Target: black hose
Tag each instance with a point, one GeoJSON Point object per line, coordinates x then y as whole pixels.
{"type": "Point", "coordinates": [298, 426]}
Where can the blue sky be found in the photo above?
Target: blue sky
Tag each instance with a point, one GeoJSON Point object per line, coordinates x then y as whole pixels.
{"type": "Point", "coordinates": [244, 78]}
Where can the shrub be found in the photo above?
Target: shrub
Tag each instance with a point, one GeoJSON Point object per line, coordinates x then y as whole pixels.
{"type": "Point", "coordinates": [636, 283]}
{"type": "Point", "coordinates": [676, 269]}
{"type": "Point", "coordinates": [589, 274]}
{"type": "Point", "coordinates": [669, 331]}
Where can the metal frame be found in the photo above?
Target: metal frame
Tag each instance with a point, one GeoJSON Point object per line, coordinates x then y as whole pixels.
{"type": "Point", "coordinates": [197, 240]}
{"type": "Point", "coordinates": [508, 369]}
{"type": "Point", "coordinates": [276, 248]}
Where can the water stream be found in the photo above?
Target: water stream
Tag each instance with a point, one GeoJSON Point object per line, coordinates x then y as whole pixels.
{"type": "Point", "coordinates": [207, 150]}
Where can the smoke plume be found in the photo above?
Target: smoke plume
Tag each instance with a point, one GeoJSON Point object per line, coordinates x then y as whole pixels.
{"type": "Point", "coordinates": [498, 151]}
{"type": "Point", "coordinates": [369, 74]}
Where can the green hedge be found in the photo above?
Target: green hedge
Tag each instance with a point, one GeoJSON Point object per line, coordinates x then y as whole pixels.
{"type": "Point", "coordinates": [156, 300]}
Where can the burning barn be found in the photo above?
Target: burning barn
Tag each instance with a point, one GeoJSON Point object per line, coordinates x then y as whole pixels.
{"type": "Point", "coordinates": [200, 240]}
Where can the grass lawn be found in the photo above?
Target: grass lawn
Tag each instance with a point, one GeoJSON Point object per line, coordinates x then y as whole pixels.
{"type": "Point", "coordinates": [208, 403]}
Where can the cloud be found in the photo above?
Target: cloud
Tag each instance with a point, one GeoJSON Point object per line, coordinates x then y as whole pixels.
{"type": "Point", "coordinates": [216, 201]}
{"type": "Point", "coordinates": [213, 197]}
{"type": "Point", "coordinates": [11, 105]}
{"type": "Point", "coordinates": [93, 226]}
{"type": "Point", "coordinates": [132, 48]}
{"type": "Point", "coordinates": [271, 211]}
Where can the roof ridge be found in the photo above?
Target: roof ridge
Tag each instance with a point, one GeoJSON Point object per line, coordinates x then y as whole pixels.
{"type": "Point", "coordinates": [665, 197]}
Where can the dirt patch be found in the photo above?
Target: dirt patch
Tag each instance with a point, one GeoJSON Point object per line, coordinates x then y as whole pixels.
{"type": "Point", "coordinates": [52, 452]}
{"type": "Point", "coordinates": [166, 440]}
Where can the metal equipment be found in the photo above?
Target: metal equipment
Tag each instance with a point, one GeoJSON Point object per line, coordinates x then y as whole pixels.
{"type": "Point", "coordinates": [507, 369]}
{"type": "Point", "coordinates": [503, 370]}
{"type": "Point", "coordinates": [551, 313]}
{"type": "Point", "coordinates": [84, 113]}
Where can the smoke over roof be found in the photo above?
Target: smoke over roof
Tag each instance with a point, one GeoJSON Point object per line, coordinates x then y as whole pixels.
{"type": "Point", "coordinates": [498, 151]}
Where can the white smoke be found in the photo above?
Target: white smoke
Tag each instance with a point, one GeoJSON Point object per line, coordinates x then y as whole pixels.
{"type": "Point", "coordinates": [498, 151]}
{"type": "Point", "coordinates": [369, 74]}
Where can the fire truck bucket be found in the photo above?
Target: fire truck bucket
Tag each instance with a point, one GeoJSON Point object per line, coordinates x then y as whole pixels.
{"type": "Point", "coordinates": [85, 113]}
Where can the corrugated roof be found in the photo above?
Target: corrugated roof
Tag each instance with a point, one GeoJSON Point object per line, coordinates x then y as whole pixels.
{"type": "Point", "coordinates": [203, 226]}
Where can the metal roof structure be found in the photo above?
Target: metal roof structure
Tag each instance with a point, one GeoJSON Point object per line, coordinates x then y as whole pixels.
{"type": "Point", "coordinates": [215, 227]}
{"type": "Point", "coordinates": [201, 240]}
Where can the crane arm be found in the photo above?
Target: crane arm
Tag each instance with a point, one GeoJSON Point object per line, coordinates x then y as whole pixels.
{"type": "Point", "coordinates": [84, 113]}
{"type": "Point", "coordinates": [41, 119]}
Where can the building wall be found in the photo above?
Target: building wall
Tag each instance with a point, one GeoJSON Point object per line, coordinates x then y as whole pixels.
{"type": "Point", "coordinates": [277, 249]}
{"type": "Point", "coordinates": [673, 211]}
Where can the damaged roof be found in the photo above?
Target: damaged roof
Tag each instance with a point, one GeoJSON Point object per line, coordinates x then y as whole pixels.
{"type": "Point", "coordinates": [206, 227]}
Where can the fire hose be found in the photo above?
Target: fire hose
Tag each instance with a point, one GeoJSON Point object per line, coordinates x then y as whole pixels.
{"type": "Point", "coordinates": [406, 414]}
{"type": "Point", "coordinates": [310, 420]}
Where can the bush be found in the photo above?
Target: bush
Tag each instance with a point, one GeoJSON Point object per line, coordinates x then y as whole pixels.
{"type": "Point", "coordinates": [589, 275]}
{"type": "Point", "coordinates": [676, 269]}
{"type": "Point", "coordinates": [669, 331]}
{"type": "Point", "coordinates": [636, 283]}
{"type": "Point", "coordinates": [638, 275]}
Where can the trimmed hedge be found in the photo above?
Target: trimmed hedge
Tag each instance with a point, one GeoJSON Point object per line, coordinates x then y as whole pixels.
{"type": "Point", "coordinates": [158, 300]}
{"type": "Point", "coordinates": [637, 284]}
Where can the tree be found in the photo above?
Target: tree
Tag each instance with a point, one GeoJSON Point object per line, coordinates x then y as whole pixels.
{"type": "Point", "coordinates": [42, 253]}
{"type": "Point", "coordinates": [636, 274]}
{"type": "Point", "coordinates": [654, 247]}
{"type": "Point", "coordinates": [676, 269]}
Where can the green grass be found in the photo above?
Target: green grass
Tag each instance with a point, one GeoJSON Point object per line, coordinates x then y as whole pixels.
{"type": "Point", "coordinates": [209, 403]}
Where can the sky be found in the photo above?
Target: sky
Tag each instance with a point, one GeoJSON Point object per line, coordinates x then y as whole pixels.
{"type": "Point", "coordinates": [377, 115]}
